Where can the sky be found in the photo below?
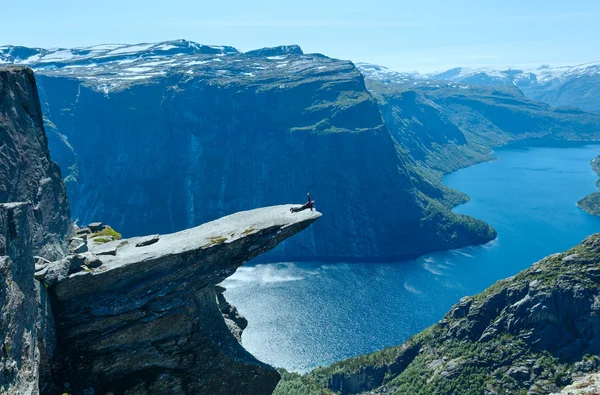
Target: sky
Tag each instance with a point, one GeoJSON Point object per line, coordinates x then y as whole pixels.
{"type": "Point", "coordinates": [419, 35]}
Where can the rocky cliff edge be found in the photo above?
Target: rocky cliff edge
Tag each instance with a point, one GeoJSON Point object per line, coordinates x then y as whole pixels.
{"type": "Point", "coordinates": [140, 315]}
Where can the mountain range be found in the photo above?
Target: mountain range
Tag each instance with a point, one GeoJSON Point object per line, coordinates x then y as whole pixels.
{"type": "Point", "coordinates": [574, 86]}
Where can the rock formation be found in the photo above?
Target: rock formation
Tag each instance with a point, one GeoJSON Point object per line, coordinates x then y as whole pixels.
{"type": "Point", "coordinates": [34, 226]}
{"type": "Point", "coordinates": [143, 318]}
{"type": "Point", "coordinates": [26, 171]}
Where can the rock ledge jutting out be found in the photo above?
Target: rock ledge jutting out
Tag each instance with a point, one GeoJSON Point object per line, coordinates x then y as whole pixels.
{"type": "Point", "coordinates": [146, 320]}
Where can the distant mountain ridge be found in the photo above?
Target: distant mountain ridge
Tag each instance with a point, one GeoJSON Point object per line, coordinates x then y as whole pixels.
{"type": "Point", "coordinates": [110, 67]}
{"type": "Point", "coordinates": [577, 86]}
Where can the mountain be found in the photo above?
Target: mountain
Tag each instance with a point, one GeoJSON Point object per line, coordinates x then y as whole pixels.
{"type": "Point", "coordinates": [154, 138]}
{"type": "Point", "coordinates": [534, 333]}
{"type": "Point", "coordinates": [140, 315]}
{"type": "Point", "coordinates": [385, 75]}
{"type": "Point", "coordinates": [571, 86]}
{"type": "Point", "coordinates": [445, 126]}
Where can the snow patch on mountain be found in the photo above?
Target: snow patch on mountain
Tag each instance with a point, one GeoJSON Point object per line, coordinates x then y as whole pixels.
{"type": "Point", "coordinates": [383, 74]}
{"type": "Point", "coordinates": [110, 67]}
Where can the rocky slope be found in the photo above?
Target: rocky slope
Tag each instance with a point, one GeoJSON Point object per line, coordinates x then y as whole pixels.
{"type": "Point", "coordinates": [532, 333]}
{"type": "Point", "coordinates": [140, 315]}
{"type": "Point", "coordinates": [188, 133]}
{"type": "Point", "coordinates": [447, 126]}
{"type": "Point", "coordinates": [591, 203]}
{"type": "Point", "coordinates": [34, 224]}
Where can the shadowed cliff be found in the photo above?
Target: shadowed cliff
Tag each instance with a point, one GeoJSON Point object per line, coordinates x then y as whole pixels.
{"type": "Point", "coordinates": [34, 225]}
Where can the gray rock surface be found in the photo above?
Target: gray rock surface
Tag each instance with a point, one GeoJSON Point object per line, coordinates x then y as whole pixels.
{"type": "Point", "coordinates": [19, 356]}
{"type": "Point", "coordinates": [235, 322]}
{"type": "Point", "coordinates": [34, 228]}
{"type": "Point", "coordinates": [146, 320]}
{"type": "Point", "coordinates": [26, 171]}
{"type": "Point", "coordinates": [147, 240]}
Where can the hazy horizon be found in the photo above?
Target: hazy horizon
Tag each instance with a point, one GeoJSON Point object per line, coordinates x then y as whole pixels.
{"type": "Point", "coordinates": [427, 36]}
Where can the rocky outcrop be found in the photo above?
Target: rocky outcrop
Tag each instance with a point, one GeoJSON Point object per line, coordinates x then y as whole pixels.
{"type": "Point", "coordinates": [27, 174]}
{"type": "Point", "coordinates": [34, 225]}
{"type": "Point", "coordinates": [145, 318]}
{"type": "Point", "coordinates": [533, 333]}
{"type": "Point", "coordinates": [588, 384]}
{"type": "Point", "coordinates": [235, 322]}
{"type": "Point", "coordinates": [19, 370]}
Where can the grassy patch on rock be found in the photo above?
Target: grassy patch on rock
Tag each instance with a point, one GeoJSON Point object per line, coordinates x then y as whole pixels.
{"type": "Point", "coordinates": [107, 231]}
{"type": "Point", "coordinates": [215, 240]}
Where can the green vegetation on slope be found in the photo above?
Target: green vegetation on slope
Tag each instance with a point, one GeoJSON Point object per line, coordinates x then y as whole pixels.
{"type": "Point", "coordinates": [107, 231]}
{"type": "Point", "coordinates": [518, 336]}
{"type": "Point", "coordinates": [445, 127]}
{"type": "Point", "coordinates": [591, 203]}
{"type": "Point", "coordinates": [294, 383]}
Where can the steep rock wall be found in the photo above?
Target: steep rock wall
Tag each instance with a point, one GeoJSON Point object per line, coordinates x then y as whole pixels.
{"type": "Point", "coordinates": [26, 171]}
{"type": "Point", "coordinates": [34, 221]}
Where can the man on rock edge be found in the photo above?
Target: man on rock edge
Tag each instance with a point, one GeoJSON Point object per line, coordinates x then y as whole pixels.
{"type": "Point", "coordinates": [310, 204]}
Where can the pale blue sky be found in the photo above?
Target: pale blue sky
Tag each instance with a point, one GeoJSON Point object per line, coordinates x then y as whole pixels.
{"type": "Point", "coordinates": [422, 35]}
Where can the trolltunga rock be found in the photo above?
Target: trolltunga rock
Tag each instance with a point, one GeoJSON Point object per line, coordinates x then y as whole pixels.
{"type": "Point", "coordinates": [146, 320]}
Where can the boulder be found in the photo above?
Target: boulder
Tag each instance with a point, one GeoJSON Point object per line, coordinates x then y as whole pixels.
{"type": "Point", "coordinates": [95, 227]}
{"type": "Point", "coordinates": [147, 240]}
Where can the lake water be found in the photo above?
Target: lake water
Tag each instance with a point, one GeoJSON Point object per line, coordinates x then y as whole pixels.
{"type": "Point", "coordinates": [303, 315]}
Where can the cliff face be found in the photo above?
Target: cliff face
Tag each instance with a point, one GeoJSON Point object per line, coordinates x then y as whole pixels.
{"type": "Point", "coordinates": [532, 333]}
{"type": "Point", "coordinates": [26, 171]}
{"type": "Point", "coordinates": [34, 225]}
{"type": "Point", "coordinates": [140, 315]}
{"type": "Point", "coordinates": [202, 136]}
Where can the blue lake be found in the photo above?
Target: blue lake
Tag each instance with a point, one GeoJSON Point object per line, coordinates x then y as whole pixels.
{"type": "Point", "coordinates": [303, 315]}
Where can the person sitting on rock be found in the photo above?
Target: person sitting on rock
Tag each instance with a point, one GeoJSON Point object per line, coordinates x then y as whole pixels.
{"type": "Point", "coordinates": [310, 204]}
